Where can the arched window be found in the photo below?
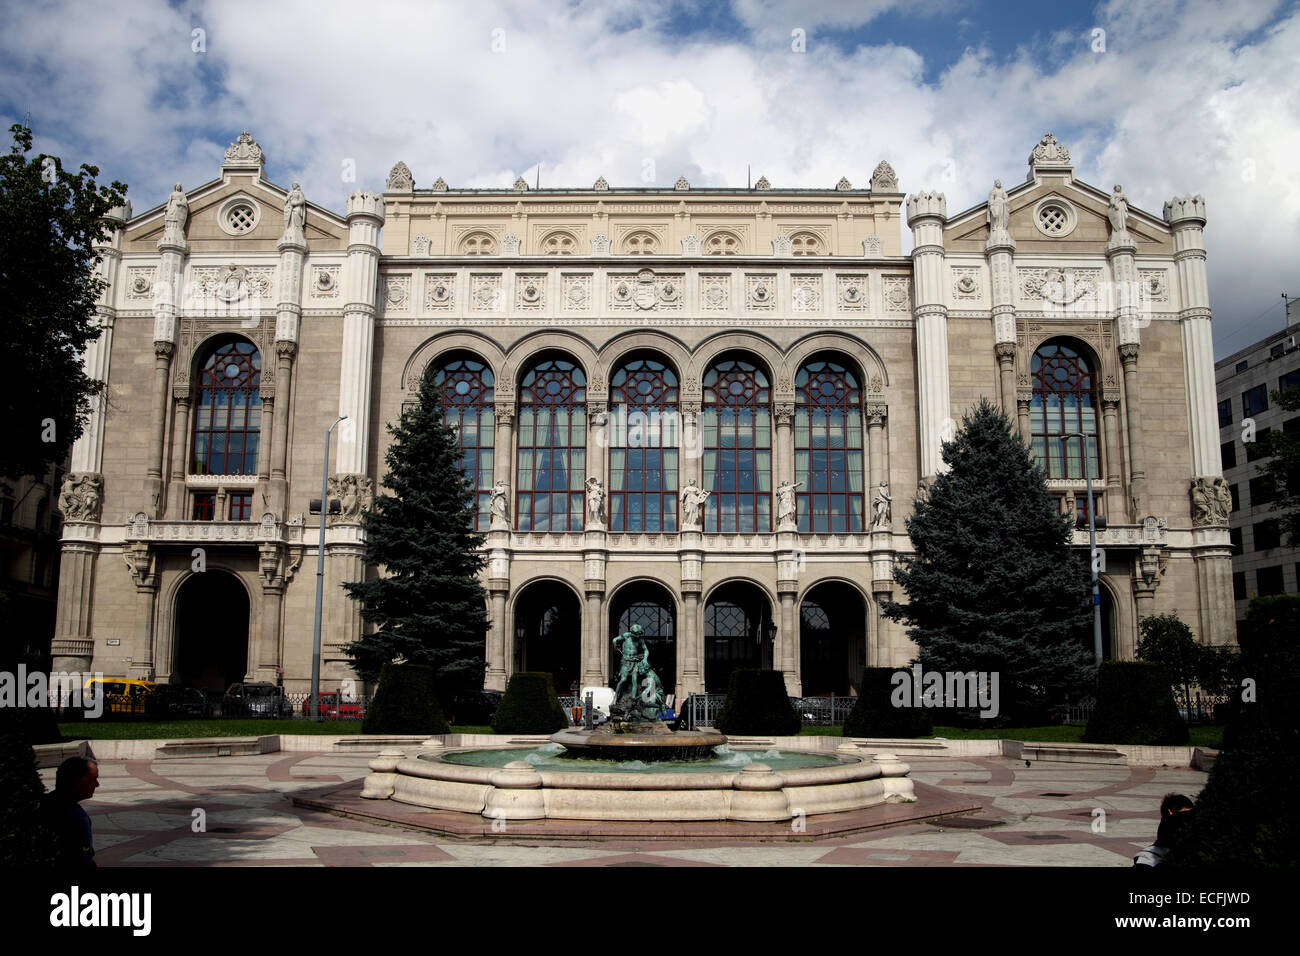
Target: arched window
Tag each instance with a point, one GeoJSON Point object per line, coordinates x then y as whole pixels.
{"type": "Point", "coordinates": [828, 448]}
{"type": "Point", "coordinates": [552, 447]}
{"type": "Point", "coordinates": [467, 389]}
{"type": "Point", "coordinates": [228, 410]}
{"type": "Point", "coordinates": [805, 244]}
{"type": "Point", "coordinates": [736, 420]}
{"type": "Point", "coordinates": [722, 243]}
{"type": "Point", "coordinates": [478, 244]}
{"type": "Point", "coordinates": [641, 244]}
{"type": "Point", "coordinates": [559, 244]}
{"type": "Point", "coordinates": [643, 447]}
{"type": "Point", "coordinates": [1064, 403]}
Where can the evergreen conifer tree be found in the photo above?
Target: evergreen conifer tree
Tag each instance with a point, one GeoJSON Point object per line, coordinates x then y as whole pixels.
{"type": "Point", "coordinates": [427, 602]}
{"type": "Point", "coordinates": [994, 584]}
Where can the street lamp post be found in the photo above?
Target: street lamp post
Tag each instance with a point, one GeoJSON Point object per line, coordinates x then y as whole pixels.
{"type": "Point", "coordinates": [320, 577]}
{"type": "Point", "coordinates": [1092, 544]}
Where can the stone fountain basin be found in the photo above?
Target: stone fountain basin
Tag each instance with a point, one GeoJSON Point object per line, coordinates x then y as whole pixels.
{"type": "Point", "coordinates": [754, 794]}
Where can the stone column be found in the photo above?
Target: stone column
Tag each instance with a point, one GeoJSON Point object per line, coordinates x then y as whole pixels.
{"type": "Point", "coordinates": [690, 653]}
{"type": "Point", "coordinates": [180, 441]}
{"type": "Point", "coordinates": [266, 645]}
{"type": "Point", "coordinates": [1000, 250]}
{"type": "Point", "coordinates": [288, 319]}
{"type": "Point", "coordinates": [496, 677]}
{"type": "Point", "coordinates": [168, 288]}
{"type": "Point", "coordinates": [365, 214]}
{"type": "Point", "coordinates": [597, 458]}
{"type": "Point", "coordinates": [503, 450]}
{"type": "Point", "coordinates": [284, 362]}
{"type": "Point", "coordinates": [783, 459]}
{"type": "Point", "coordinates": [1137, 475]}
{"type": "Point", "coordinates": [1114, 454]}
{"type": "Point", "coordinates": [927, 213]}
{"type": "Point", "coordinates": [1211, 547]}
{"type": "Point", "coordinates": [72, 648]}
{"type": "Point", "coordinates": [690, 462]}
{"type": "Point", "coordinates": [141, 562]}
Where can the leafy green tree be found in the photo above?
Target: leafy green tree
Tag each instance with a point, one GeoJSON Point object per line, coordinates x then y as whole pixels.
{"type": "Point", "coordinates": [1283, 467]}
{"type": "Point", "coordinates": [994, 584]}
{"type": "Point", "coordinates": [1166, 640]}
{"type": "Point", "coordinates": [427, 603]}
{"type": "Point", "coordinates": [50, 220]}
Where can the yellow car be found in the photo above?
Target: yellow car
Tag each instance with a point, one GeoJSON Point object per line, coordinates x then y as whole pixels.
{"type": "Point", "coordinates": [121, 695]}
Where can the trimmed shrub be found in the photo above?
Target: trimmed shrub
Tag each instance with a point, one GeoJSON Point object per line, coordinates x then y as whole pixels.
{"type": "Point", "coordinates": [757, 703]}
{"type": "Point", "coordinates": [1135, 706]}
{"type": "Point", "coordinates": [529, 707]}
{"type": "Point", "coordinates": [1246, 816]}
{"type": "Point", "coordinates": [406, 702]}
{"type": "Point", "coordinates": [874, 714]}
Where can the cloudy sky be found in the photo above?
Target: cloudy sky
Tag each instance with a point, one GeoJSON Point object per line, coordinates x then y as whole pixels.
{"type": "Point", "coordinates": [1166, 98]}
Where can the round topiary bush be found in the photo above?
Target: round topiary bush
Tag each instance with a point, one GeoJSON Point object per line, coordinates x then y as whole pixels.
{"type": "Point", "coordinates": [757, 703]}
{"type": "Point", "coordinates": [1135, 706]}
{"type": "Point", "coordinates": [529, 707]}
{"type": "Point", "coordinates": [406, 702]}
{"type": "Point", "coordinates": [875, 714]}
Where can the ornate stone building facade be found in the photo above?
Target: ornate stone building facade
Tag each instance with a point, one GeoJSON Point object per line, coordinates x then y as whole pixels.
{"type": "Point", "coordinates": [706, 411]}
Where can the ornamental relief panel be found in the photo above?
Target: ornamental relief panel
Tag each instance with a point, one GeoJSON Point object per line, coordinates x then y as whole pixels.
{"type": "Point", "coordinates": [485, 293]}
{"type": "Point", "coordinates": [232, 284]}
{"type": "Point", "coordinates": [646, 291]}
{"type": "Point", "coordinates": [760, 293]}
{"type": "Point", "coordinates": [395, 294]}
{"type": "Point", "coordinates": [966, 284]}
{"type": "Point", "coordinates": [1154, 284]}
{"type": "Point", "coordinates": [1059, 287]}
{"type": "Point", "coordinates": [530, 292]}
{"type": "Point", "coordinates": [324, 282]}
{"type": "Point", "coordinates": [715, 293]}
{"type": "Point", "coordinates": [852, 293]}
{"type": "Point", "coordinates": [139, 282]}
{"type": "Point", "coordinates": [439, 292]}
{"type": "Point", "coordinates": [575, 293]}
{"type": "Point", "coordinates": [898, 294]}
{"type": "Point", "coordinates": [806, 293]}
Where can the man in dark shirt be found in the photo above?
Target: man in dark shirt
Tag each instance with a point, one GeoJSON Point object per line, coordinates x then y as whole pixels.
{"type": "Point", "coordinates": [76, 779]}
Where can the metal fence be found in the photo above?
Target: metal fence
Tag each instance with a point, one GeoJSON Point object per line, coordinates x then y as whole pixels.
{"type": "Point", "coordinates": [701, 710]}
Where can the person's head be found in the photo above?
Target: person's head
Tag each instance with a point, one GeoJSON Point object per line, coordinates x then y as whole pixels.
{"type": "Point", "coordinates": [77, 778]}
{"type": "Point", "coordinates": [1174, 803]}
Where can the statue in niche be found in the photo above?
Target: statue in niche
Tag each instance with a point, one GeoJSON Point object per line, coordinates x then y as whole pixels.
{"type": "Point", "coordinates": [80, 496]}
{"type": "Point", "coordinates": [176, 216]}
{"type": "Point", "coordinates": [595, 501]}
{"type": "Point", "coordinates": [295, 212]}
{"type": "Point", "coordinates": [498, 508]}
{"type": "Point", "coordinates": [999, 211]}
{"type": "Point", "coordinates": [882, 505]}
{"type": "Point", "coordinates": [1118, 212]}
{"type": "Point", "coordinates": [786, 507]}
{"type": "Point", "coordinates": [692, 498]}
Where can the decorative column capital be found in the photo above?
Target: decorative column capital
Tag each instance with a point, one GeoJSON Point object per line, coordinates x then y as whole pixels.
{"type": "Point", "coordinates": [504, 413]}
{"type": "Point", "coordinates": [784, 413]}
{"type": "Point", "coordinates": [1128, 353]}
{"type": "Point", "coordinates": [1005, 351]}
{"type": "Point", "coordinates": [286, 350]}
{"type": "Point", "coordinates": [163, 350]}
{"type": "Point", "coordinates": [877, 413]}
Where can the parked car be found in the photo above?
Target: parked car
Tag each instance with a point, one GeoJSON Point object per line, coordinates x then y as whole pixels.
{"type": "Point", "coordinates": [475, 708]}
{"type": "Point", "coordinates": [178, 701]}
{"type": "Point", "coordinates": [331, 708]}
{"type": "Point", "coordinates": [123, 695]}
{"type": "Point", "coordinates": [255, 700]}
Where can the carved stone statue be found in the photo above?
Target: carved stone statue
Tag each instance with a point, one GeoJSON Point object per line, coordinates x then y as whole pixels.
{"type": "Point", "coordinates": [498, 507]}
{"type": "Point", "coordinates": [1118, 214]}
{"type": "Point", "coordinates": [80, 496]}
{"type": "Point", "coordinates": [595, 501]}
{"type": "Point", "coordinates": [356, 493]}
{"type": "Point", "coordinates": [295, 214]}
{"type": "Point", "coordinates": [638, 692]}
{"type": "Point", "coordinates": [882, 506]}
{"type": "Point", "coordinates": [1211, 501]}
{"type": "Point", "coordinates": [177, 215]}
{"type": "Point", "coordinates": [786, 506]}
{"type": "Point", "coordinates": [692, 498]}
{"type": "Point", "coordinates": [999, 212]}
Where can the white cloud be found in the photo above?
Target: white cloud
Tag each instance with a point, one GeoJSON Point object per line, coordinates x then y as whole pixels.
{"type": "Point", "coordinates": [1195, 100]}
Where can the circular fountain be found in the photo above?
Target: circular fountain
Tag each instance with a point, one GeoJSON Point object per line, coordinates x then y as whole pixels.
{"type": "Point", "coordinates": [635, 768]}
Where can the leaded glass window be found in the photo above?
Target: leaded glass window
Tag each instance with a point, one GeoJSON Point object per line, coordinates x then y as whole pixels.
{"type": "Point", "coordinates": [1064, 403]}
{"type": "Point", "coordinates": [552, 444]}
{"type": "Point", "coordinates": [467, 392]}
{"type": "Point", "coordinates": [643, 439]}
{"type": "Point", "coordinates": [228, 410]}
{"type": "Point", "coordinates": [828, 449]}
{"type": "Point", "coordinates": [736, 434]}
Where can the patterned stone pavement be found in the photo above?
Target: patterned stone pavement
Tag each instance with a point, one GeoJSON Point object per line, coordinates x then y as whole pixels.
{"type": "Point", "coordinates": [238, 811]}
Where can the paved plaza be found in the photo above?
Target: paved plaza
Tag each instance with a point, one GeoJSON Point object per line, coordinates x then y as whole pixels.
{"type": "Point", "coordinates": [1041, 814]}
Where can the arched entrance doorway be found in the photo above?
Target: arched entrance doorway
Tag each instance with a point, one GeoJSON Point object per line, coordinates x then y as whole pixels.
{"type": "Point", "coordinates": [652, 606]}
{"type": "Point", "coordinates": [738, 632]}
{"type": "Point", "coordinates": [211, 631]}
{"type": "Point", "coordinates": [832, 640]}
{"type": "Point", "coordinates": [548, 633]}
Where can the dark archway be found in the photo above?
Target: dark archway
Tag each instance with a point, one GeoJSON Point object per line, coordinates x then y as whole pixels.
{"type": "Point", "coordinates": [832, 640]}
{"type": "Point", "coordinates": [650, 605]}
{"type": "Point", "coordinates": [211, 631]}
{"type": "Point", "coordinates": [1107, 624]}
{"type": "Point", "coordinates": [548, 633]}
{"type": "Point", "coordinates": [738, 633]}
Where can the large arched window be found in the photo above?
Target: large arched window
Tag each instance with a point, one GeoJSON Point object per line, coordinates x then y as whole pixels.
{"type": "Point", "coordinates": [466, 385]}
{"type": "Point", "coordinates": [643, 447]}
{"type": "Point", "coordinates": [736, 425]}
{"type": "Point", "coordinates": [828, 448]}
{"type": "Point", "coordinates": [228, 410]}
{"type": "Point", "coordinates": [1064, 403]}
{"type": "Point", "coordinates": [552, 447]}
